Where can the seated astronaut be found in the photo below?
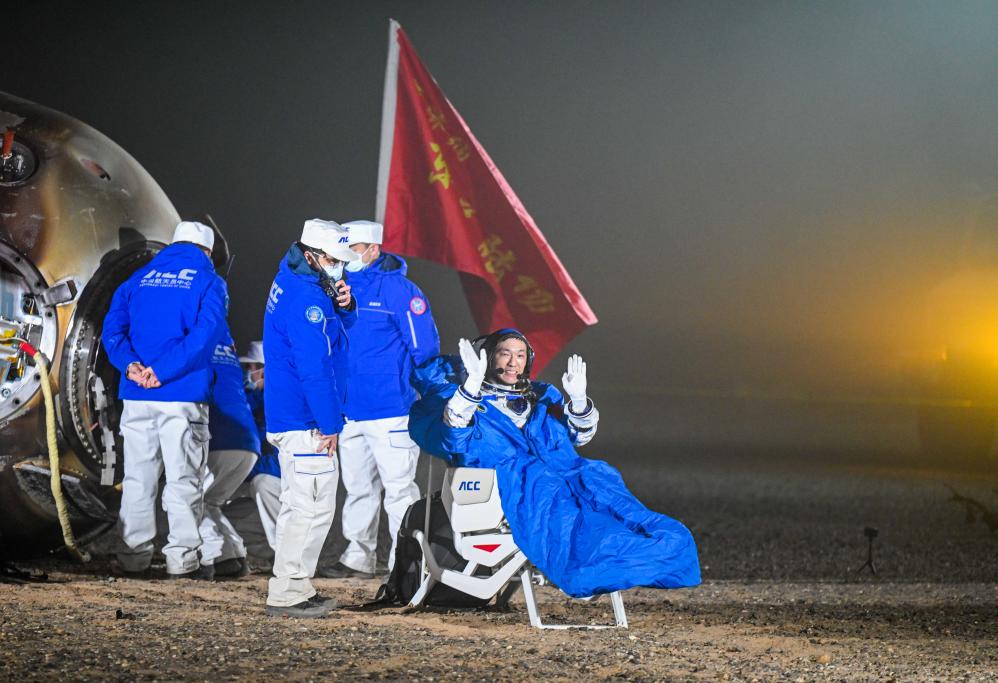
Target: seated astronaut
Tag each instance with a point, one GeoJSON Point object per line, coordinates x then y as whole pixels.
{"type": "Point", "coordinates": [573, 517]}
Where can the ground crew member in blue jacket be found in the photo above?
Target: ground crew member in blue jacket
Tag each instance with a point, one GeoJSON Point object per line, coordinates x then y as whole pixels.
{"type": "Point", "coordinates": [256, 504]}
{"type": "Point", "coordinates": [234, 448]}
{"type": "Point", "coordinates": [394, 333]}
{"type": "Point", "coordinates": [160, 332]}
{"type": "Point", "coordinates": [305, 344]}
{"type": "Point", "coordinates": [265, 478]}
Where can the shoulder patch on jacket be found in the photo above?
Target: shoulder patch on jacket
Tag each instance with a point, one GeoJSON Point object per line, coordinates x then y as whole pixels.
{"type": "Point", "coordinates": [314, 314]}
{"type": "Point", "coordinates": [417, 305]}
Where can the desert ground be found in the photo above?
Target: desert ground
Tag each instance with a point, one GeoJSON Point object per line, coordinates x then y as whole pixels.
{"type": "Point", "coordinates": [781, 538]}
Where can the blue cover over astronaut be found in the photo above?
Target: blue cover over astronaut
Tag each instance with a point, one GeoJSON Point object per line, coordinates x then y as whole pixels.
{"type": "Point", "coordinates": [574, 518]}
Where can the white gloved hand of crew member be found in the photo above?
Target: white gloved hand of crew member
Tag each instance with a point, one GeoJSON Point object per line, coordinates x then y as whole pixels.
{"type": "Point", "coordinates": [475, 365]}
{"type": "Point", "coordinates": [574, 382]}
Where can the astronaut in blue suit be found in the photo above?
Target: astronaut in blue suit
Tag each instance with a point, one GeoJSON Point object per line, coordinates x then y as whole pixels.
{"type": "Point", "coordinates": [160, 332]}
{"type": "Point", "coordinates": [305, 343]}
{"type": "Point", "coordinates": [394, 333]}
{"type": "Point", "coordinates": [573, 517]}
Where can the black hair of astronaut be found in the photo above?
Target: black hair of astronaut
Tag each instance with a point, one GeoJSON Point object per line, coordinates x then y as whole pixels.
{"type": "Point", "coordinates": [522, 387]}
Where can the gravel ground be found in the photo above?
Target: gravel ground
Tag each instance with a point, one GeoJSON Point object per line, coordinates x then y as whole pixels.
{"type": "Point", "coordinates": [780, 536]}
{"type": "Point", "coordinates": [724, 630]}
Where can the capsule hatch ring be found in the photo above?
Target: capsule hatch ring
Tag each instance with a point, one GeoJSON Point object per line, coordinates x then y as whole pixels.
{"type": "Point", "coordinates": [23, 314]}
{"type": "Point", "coordinates": [17, 168]}
{"type": "Point", "coordinates": [90, 411]}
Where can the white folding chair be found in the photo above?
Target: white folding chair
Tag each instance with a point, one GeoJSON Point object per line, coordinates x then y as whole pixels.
{"type": "Point", "coordinates": [482, 538]}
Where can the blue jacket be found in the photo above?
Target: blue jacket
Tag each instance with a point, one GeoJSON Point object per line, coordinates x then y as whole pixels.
{"type": "Point", "coordinates": [574, 518]}
{"type": "Point", "coordinates": [394, 333]}
{"type": "Point", "coordinates": [268, 462]}
{"type": "Point", "coordinates": [305, 344]}
{"type": "Point", "coordinates": [229, 419]}
{"type": "Point", "coordinates": [168, 315]}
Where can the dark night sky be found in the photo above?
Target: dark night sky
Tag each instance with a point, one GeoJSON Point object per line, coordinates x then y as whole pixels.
{"type": "Point", "coordinates": [754, 197]}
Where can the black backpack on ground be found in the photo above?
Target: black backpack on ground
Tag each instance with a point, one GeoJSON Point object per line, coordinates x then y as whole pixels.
{"type": "Point", "coordinates": [406, 576]}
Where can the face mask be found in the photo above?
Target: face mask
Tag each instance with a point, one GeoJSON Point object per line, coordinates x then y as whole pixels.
{"type": "Point", "coordinates": [249, 381]}
{"type": "Point", "coordinates": [334, 272]}
{"type": "Point", "coordinates": [358, 265]}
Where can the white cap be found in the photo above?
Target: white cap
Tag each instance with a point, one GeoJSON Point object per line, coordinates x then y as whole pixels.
{"type": "Point", "coordinates": [198, 233]}
{"type": "Point", "coordinates": [255, 353]}
{"type": "Point", "coordinates": [367, 232]}
{"type": "Point", "coordinates": [328, 236]}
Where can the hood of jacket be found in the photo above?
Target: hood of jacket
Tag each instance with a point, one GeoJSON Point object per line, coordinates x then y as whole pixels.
{"type": "Point", "coordinates": [294, 263]}
{"type": "Point", "coordinates": [385, 265]}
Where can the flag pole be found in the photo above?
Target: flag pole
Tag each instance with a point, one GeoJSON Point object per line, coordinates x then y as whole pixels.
{"type": "Point", "coordinates": [387, 121]}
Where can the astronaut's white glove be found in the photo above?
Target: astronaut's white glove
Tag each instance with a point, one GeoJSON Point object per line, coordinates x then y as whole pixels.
{"type": "Point", "coordinates": [475, 365]}
{"type": "Point", "coordinates": [574, 382]}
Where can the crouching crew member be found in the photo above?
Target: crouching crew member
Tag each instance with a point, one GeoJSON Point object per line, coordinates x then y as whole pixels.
{"type": "Point", "coordinates": [257, 502]}
{"type": "Point", "coordinates": [160, 332]}
{"type": "Point", "coordinates": [265, 477]}
{"type": "Point", "coordinates": [306, 349]}
{"type": "Point", "coordinates": [394, 333]}
{"type": "Point", "coordinates": [234, 448]}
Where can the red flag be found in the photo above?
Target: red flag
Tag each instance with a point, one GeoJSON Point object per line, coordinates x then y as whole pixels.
{"type": "Point", "coordinates": [441, 198]}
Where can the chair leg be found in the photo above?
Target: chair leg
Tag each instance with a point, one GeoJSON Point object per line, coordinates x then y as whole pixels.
{"type": "Point", "coordinates": [431, 562]}
{"type": "Point", "coordinates": [535, 617]}
{"type": "Point", "coordinates": [431, 573]}
{"type": "Point", "coordinates": [419, 597]}
{"type": "Point", "coordinates": [618, 609]}
{"type": "Point", "coordinates": [528, 596]}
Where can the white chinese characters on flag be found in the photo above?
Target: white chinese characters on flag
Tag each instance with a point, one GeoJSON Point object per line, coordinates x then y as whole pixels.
{"type": "Point", "coordinates": [441, 198]}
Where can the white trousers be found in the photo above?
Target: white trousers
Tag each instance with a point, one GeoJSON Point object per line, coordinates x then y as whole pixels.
{"type": "Point", "coordinates": [376, 456]}
{"type": "Point", "coordinates": [308, 502]}
{"type": "Point", "coordinates": [267, 493]}
{"type": "Point", "coordinates": [227, 469]}
{"type": "Point", "coordinates": [253, 511]}
{"type": "Point", "coordinates": [171, 436]}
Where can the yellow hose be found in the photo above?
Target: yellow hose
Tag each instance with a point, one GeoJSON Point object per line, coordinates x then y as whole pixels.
{"type": "Point", "coordinates": [56, 480]}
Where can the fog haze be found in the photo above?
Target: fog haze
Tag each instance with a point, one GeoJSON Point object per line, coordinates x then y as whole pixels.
{"type": "Point", "coordinates": [757, 199]}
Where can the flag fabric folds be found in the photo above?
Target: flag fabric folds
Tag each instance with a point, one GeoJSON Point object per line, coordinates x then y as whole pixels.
{"type": "Point", "coordinates": [441, 198]}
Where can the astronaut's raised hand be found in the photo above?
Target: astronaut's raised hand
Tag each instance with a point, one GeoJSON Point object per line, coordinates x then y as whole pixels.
{"type": "Point", "coordinates": [474, 364]}
{"type": "Point", "coordinates": [574, 382]}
